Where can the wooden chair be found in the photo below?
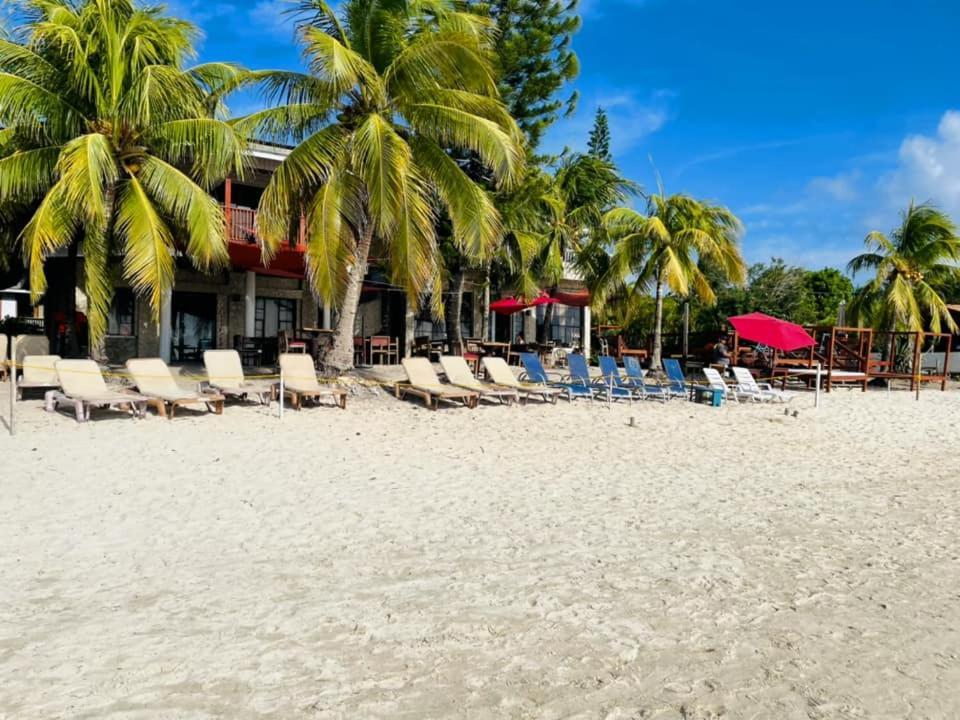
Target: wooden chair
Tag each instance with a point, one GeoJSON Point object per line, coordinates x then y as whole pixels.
{"type": "Point", "coordinates": [359, 350]}
{"type": "Point", "coordinates": [288, 345]}
{"type": "Point", "coordinates": [385, 348]}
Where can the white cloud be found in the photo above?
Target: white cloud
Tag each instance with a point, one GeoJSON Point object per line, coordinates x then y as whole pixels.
{"type": "Point", "coordinates": [841, 187]}
{"type": "Point", "coordinates": [928, 168]}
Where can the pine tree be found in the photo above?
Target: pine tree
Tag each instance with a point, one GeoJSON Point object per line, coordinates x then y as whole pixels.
{"type": "Point", "coordinates": [599, 144]}
{"type": "Point", "coordinates": [536, 59]}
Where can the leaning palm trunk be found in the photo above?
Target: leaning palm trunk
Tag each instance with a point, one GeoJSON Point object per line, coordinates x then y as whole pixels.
{"type": "Point", "coordinates": [340, 357]}
{"type": "Point", "coordinates": [485, 307]}
{"type": "Point", "coordinates": [657, 329]}
{"type": "Point", "coordinates": [546, 332]}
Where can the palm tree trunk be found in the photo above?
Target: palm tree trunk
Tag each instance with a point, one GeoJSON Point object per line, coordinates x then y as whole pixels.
{"type": "Point", "coordinates": [485, 306]}
{"type": "Point", "coordinates": [546, 332]}
{"type": "Point", "coordinates": [657, 329]}
{"type": "Point", "coordinates": [454, 326]}
{"type": "Point", "coordinates": [340, 357]}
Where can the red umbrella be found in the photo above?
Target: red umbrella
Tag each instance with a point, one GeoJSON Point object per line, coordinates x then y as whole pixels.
{"type": "Point", "coordinates": [543, 299]}
{"type": "Point", "coordinates": [778, 334]}
{"type": "Point", "coordinates": [508, 306]}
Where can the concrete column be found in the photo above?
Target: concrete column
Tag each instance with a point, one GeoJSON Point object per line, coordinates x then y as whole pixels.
{"type": "Point", "coordinates": [586, 332]}
{"type": "Point", "coordinates": [249, 304]}
{"type": "Point", "coordinates": [327, 320]}
{"type": "Point", "coordinates": [166, 325]}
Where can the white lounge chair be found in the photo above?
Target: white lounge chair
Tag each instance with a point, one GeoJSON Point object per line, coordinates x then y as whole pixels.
{"type": "Point", "coordinates": [153, 379]}
{"type": "Point", "coordinates": [459, 374]}
{"type": "Point", "coordinates": [715, 380]}
{"type": "Point", "coordinates": [501, 374]}
{"type": "Point", "coordinates": [423, 382]}
{"type": "Point", "coordinates": [83, 387]}
{"type": "Point", "coordinates": [225, 375]}
{"type": "Point", "coordinates": [300, 382]}
{"type": "Point", "coordinates": [762, 392]}
{"type": "Point", "coordinates": [39, 373]}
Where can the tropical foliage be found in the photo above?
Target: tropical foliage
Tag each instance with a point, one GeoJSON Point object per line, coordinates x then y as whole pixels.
{"type": "Point", "coordinates": [663, 249]}
{"type": "Point", "coordinates": [100, 117]}
{"type": "Point", "coordinates": [911, 267]}
{"type": "Point", "coordinates": [391, 88]}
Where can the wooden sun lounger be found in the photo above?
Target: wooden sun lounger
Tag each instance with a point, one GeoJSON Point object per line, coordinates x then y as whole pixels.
{"type": "Point", "coordinates": [300, 382]}
{"type": "Point", "coordinates": [84, 388]}
{"type": "Point", "coordinates": [459, 374]}
{"type": "Point", "coordinates": [225, 375]}
{"type": "Point", "coordinates": [154, 380]}
{"type": "Point", "coordinates": [39, 373]}
{"type": "Point", "coordinates": [422, 382]}
{"type": "Point", "coordinates": [501, 374]}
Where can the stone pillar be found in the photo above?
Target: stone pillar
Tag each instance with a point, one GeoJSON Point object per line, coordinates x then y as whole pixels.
{"type": "Point", "coordinates": [166, 325]}
{"type": "Point", "coordinates": [249, 303]}
{"type": "Point", "coordinates": [586, 332]}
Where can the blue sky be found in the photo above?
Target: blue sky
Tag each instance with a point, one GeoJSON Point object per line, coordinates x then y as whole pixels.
{"type": "Point", "coordinates": [815, 122]}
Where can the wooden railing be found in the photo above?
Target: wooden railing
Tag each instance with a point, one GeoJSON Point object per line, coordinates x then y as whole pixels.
{"type": "Point", "coordinates": [242, 226]}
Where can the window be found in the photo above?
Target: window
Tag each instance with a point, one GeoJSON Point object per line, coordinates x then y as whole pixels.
{"type": "Point", "coordinates": [567, 325]}
{"type": "Point", "coordinates": [120, 319]}
{"type": "Point", "coordinates": [274, 315]}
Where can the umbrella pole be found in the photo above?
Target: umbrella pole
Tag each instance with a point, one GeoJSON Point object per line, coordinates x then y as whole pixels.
{"type": "Point", "coordinates": [816, 397]}
{"type": "Point", "coordinates": [13, 379]}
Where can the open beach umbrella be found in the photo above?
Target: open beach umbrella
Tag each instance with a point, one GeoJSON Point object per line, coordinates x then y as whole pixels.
{"type": "Point", "coordinates": [774, 332]}
{"type": "Point", "coordinates": [543, 299]}
{"type": "Point", "coordinates": [508, 306]}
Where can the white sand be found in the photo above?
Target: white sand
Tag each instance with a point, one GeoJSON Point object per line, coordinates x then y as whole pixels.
{"type": "Point", "coordinates": [547, 562]}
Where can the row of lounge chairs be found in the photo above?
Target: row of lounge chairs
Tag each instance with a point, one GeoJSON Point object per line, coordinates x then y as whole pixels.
{"type": "Point", "coordinates": [80, 383]}
{"type": "Point", "coordinates": [504, 387]}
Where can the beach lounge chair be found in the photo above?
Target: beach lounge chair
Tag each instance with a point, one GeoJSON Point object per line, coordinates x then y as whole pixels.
{"type": "Point", "coordinates": [83, 387]}
{"type": "Point", "coordinates": [637, 385]}
{"type": "Point", "coordinates": [458, 373]}
{"type": "Point", "coordinates": [536, 374]}
{"type": "Point", "coordinates": [501, 374]}
{"type": "Point", "coordinates": [637, 378]}
{"type": "Point", "coordinates": [153, 379]}
{"type": "Point", "coordinates": [300, 382]}
{"type": "Point", "coordinates": [612, 387]}
{"type": "Point", "coordinates": [423, 382]}
{"type": "Point", "coordinates": [225, 375]}
{"type": "Point", "coordinates": [39, 373]}
{"type": "Point", "coordinates": [762, 392]}
{"type": "Point", "coordinates": [676, 381]}
{"type": "Point", "coordinates": [715, 381]}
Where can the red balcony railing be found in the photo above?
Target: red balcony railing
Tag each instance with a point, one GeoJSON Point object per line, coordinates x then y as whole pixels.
{"type": "Point", "coordinates": [242, 227]}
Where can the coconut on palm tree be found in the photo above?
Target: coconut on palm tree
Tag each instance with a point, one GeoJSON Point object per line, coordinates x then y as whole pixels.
{"type": "Point", "coordinates": [109, 144]}
{"type": "Point", "coordinates": [911, 265]}
{"type": "Point", "coordinates": [662, 250]}
{"type": "Point", "coordinates": [392, 88]}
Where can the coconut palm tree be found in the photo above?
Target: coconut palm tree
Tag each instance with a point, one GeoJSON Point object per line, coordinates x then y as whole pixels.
{"type": "Point", "coordinates": [560, 218]}
{"type": "Point", "coordinates": [911, 266]}
{"type": "Point", "coordinates": [392, 87]}
{"type": "Point", "coordinates": [110, 143]}
{"type": "Point", "coordinates": [662, 249]}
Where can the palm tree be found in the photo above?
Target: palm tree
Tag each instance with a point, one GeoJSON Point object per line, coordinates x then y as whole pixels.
{"type": "Point", "coordinates": [911, 266]}
{"type": "Point", "coordinates": [560, 217]}
{"type": "Point", "coordinates": [392, 87]}
{"type": "Point", "coordinates": [99, 117]}
{"type": "Point", "coordinates": [662, 250]}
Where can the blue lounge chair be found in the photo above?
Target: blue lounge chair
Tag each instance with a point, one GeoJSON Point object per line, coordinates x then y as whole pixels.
{"type": "Point", "coordinates": [678, 383]}
{"type": "Point", "coordinates": [535, 373]}
{"type": "Point", "coordinates": [635, 377]}
{"type": "Point", "coordinates": [580, 373]}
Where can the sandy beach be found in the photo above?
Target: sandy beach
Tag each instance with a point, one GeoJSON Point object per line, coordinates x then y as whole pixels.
{"type": "Point", "coordinates": [539, 562]}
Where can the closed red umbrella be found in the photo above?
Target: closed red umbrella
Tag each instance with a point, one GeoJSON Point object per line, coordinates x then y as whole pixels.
{"type": "Point", "coordinates": [774, 332]}
{"type": "Point", "coordinates": [543, 299]}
